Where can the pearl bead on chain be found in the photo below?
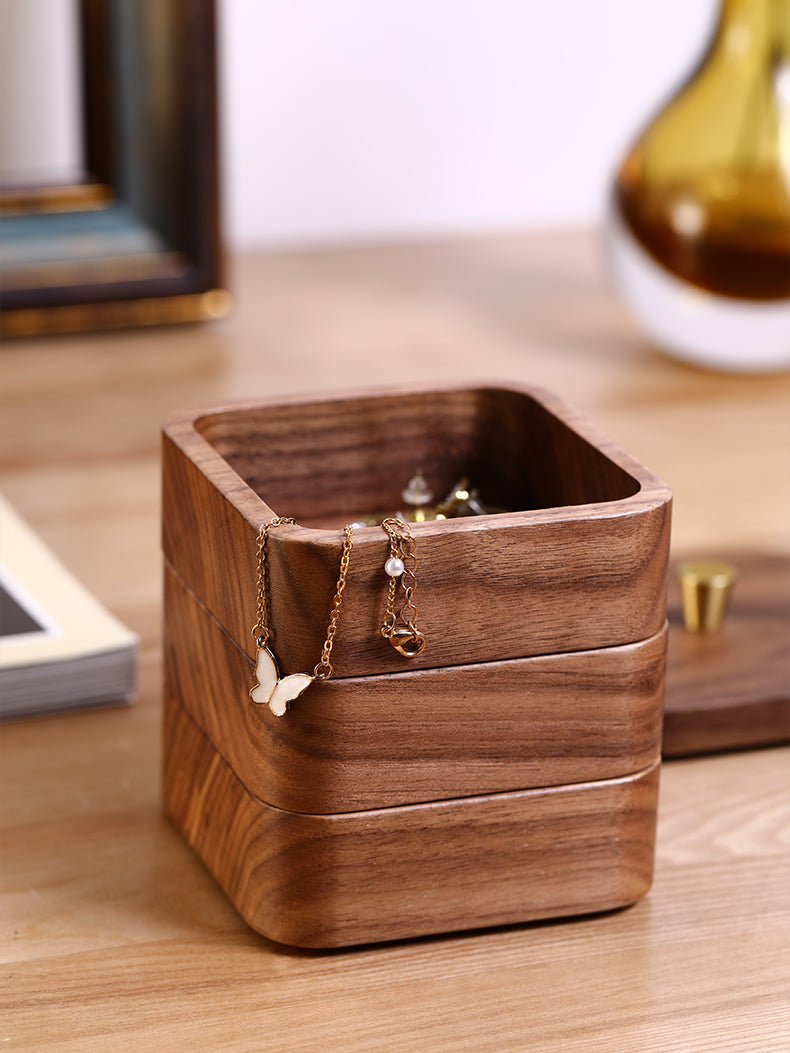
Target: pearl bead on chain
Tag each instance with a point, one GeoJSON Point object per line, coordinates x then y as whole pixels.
{"type": "Point", "coordinates": [394, 567]}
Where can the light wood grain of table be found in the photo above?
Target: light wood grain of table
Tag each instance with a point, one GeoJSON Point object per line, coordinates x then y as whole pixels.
{"type": "Point", "coordinates": [115, 937]}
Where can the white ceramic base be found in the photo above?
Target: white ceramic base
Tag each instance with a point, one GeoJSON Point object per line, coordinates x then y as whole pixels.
{"type": "Point", "coordinates": [721, 332]}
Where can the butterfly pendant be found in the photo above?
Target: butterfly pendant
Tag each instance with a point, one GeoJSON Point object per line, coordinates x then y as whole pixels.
{"type": "Point", "coordinates": [273, 690]}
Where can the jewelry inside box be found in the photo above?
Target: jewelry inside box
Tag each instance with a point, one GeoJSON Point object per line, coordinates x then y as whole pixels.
{"type": "Point", "coordinates": [461, 500]}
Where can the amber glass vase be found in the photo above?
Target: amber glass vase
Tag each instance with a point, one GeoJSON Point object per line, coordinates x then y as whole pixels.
{"type": "Point", "coordinates": [699, 225]}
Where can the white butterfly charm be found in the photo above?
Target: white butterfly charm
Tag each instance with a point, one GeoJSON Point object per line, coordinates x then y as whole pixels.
{"type": "Point", "coordinates": [271, 689]}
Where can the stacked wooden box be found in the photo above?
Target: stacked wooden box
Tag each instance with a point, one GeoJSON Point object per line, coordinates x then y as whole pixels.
{"type": "Point", "coordinates": [507, 773]}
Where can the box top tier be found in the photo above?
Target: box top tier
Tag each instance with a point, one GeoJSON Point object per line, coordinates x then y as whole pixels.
{"type": "Point", "coordinates": [578, 560]}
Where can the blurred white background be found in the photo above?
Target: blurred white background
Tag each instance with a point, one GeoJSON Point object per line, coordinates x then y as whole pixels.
{"type": "Point", "coordinates": [361, 119]}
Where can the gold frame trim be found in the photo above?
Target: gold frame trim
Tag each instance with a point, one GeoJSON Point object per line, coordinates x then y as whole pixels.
{"type": "Point", "coordinates": [117, 314]}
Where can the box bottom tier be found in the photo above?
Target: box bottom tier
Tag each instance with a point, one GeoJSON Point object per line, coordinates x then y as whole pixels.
{"type": "Point", "coordinates": [360, 877]}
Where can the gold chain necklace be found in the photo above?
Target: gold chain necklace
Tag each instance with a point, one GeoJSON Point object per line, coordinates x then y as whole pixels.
{"type": "Point", "coordinates": [399, 628]}
{"type": "Point", "coordinates": [278, 691]}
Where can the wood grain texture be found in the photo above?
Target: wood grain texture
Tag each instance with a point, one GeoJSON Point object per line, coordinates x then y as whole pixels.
{"type": "Point", "coordinates": [731, 689]}
{"type": "Point", "coordinates": [378, 741]}
{"type": "Point", "coordinates": [114, 937]}
{"type": "Point", "coordinates": [553, 577]}
{"type": "Point", "coordinates": [361, 877]}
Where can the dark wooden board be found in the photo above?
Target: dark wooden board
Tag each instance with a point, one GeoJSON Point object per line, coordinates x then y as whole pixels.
{"type": "Point", "coordinates": [731, 689]}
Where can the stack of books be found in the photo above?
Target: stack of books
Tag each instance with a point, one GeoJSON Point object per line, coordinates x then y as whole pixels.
{"type": "Point", "coordinates": [59, 648]}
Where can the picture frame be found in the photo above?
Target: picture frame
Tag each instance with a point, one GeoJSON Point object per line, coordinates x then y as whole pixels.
{"type": "Point", "coordinates": [136, 239]}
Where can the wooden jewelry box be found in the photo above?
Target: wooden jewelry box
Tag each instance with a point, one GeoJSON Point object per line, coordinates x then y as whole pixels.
{"type": "Point", "coordinates": [507, 773]}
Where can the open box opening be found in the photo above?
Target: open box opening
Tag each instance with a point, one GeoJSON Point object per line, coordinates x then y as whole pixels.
{"type": "Point", "coordinates": [579, 562]}
{"type": "Point", "coordinates": [328, 462]}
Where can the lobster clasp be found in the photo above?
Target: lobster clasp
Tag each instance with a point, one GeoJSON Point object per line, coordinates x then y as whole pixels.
{"type": "Point", "coordinates": [408, 642]}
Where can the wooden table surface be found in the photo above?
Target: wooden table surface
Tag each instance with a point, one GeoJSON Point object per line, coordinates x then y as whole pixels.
{"type": "Point", "coordinates": [115, 937]}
